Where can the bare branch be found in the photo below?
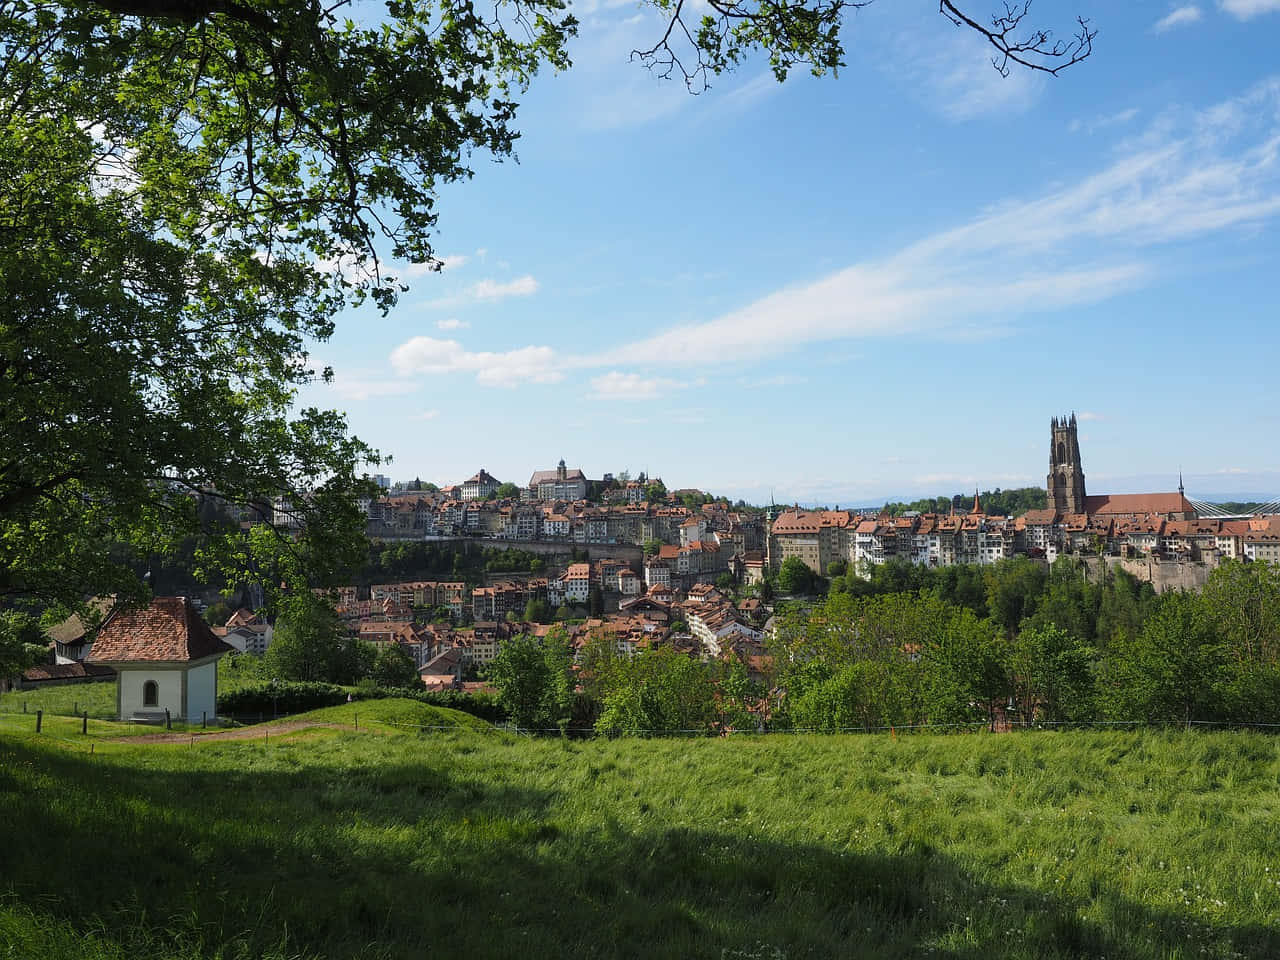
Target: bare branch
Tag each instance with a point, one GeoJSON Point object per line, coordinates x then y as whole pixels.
{"type": "Point", "coordinates": [1036, 50]}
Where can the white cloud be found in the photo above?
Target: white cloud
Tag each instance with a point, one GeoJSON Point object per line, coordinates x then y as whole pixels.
{"type": "Point", "coordinates": [525, 286]}
{"type": "Point", "coordinates": [951, 72]}
{"type": "Point", "coordinates": [450, 261]}
{"type": "Point", "coordinates": [427, 355]}
{"type": "Point", "coordinates": [1081, 243]}
{"type": "Point", "coordinates": [426, 415]}
{"type": "Point", "coordinates": [1180, 17]}
{"type": "Point", "coordinates": [1103, 122]}
{"type": "Point", "coordinates": [1089, 415]}
{"type": "Point", "coordinates": [488, 291]}
{"type": "Point", "coordinates": [1187, 177]}
{"type": "Point", "coordinates": [616, 385]}
{"type": "Point", "coordinates": [452, 323]}
{"type": "Point", "coordinates": [364, 384]}
{"type": "Point", "coordinates": [1248, 9]}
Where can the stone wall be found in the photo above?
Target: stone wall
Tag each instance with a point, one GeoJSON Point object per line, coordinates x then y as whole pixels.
{"type": "Point", "coordinates": [1161, 574]}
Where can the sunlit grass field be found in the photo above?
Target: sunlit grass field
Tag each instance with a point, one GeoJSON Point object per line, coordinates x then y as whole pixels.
{"type": "Point", "coordinates": [99, 699]}
{"type": "Point", "coordinates": [468, 842]}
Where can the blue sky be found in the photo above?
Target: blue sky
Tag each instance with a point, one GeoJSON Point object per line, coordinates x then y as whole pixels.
{"type": "Point", "coordinates": [876, 286]}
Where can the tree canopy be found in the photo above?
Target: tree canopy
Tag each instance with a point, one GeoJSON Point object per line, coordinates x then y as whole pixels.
{"type": "Point", "coordinates": [191, 190]}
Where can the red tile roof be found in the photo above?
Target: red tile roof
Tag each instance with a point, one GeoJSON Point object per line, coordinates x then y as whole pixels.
{"type": "Point", "coordinates": [1137, 503]}
{"type": "Point", "coordinates": [168, 630]}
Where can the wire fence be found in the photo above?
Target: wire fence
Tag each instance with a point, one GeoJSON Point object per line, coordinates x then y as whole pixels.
{"type": "Point", "coordinates": [37, 716]}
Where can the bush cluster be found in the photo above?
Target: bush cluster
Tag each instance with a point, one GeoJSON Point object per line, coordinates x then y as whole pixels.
{"type": "Point", "coordinates": [287, 697]}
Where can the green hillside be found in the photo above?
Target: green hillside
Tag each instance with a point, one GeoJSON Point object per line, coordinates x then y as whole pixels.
{"type": "Point", "coordinates": [468, 842]}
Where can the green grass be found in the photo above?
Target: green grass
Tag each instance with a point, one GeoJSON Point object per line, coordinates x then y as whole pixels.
{"type": "Point", "coordinates": [99, 698]}
{"type": "Point", "coordinates": [393, 714]}
{"type": "Point", "coordinates": [469, 842]}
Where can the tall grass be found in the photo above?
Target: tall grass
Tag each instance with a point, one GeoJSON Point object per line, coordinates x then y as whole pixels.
{"type": "Point", "coordinates": [98, 698]}
{"type": "Point", "coordinates": [473, 843]}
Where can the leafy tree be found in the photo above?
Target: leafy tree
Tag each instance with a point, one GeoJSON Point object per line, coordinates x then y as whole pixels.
{"type": "Point", "coordinates": [1242, 602]}
{"type": "Point", "coordinates": [726, 583]}
{"type": "Point", "coordinates": [507, 491]}
{"type": "Point", "coordinates": [657, 691]}
{"type": "Point", "coordinates": [655, 492]}
{"type": "Point", "coordinates": [167, 362]}
{"type": "Point", "coordinates": [1170, 670]}
{"type": "Point", "coordinates": [1070, 602]}
{"type": "Point", "coordinates": [595, 601]}
{"type": "Point", "coordinates": [190, 192]}
{"type": "Point", "coordinates": [216, 614]}
{"type": "Point", "coordinates": [966, 669]}
{"type": "Point", "coordinates": [837, 568]}
{"type": "Point", "coordinates": [534, 680]}
{"type": "Point", "coordinates": [738, 696]}
{"type": "Point", "coordinates": [1051, 674]}
{"type": "Point", "coordinates": [794, 576]}
{"type": "Point", "coordinates": [537, 611]}
{"type": "Point", "coordinates": [310, 643]}
{"type": "Point", "coordinates": [652, 546]}
{"type": "Point", "coordinates": [1014, 586]}
{"type": "Point", "coordinates": [393, 667]}
{"type": "Point", "coordinates": [22, 643]}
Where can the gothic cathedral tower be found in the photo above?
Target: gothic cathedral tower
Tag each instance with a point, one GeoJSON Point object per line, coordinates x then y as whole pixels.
{"type": "Point", "coordinates": [1066, 475]}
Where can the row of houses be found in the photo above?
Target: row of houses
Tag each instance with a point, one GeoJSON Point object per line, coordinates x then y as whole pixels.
{"type": "Point", "coordinates": [1130, 528]}
{"type": "Point", "coordinates": [569, 521]}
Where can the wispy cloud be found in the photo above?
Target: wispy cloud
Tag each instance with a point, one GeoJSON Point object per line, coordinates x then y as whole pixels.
{"type": "Point", "coordinates": [426, 415]}
{"type": "Point", "coordinates": [358, 385]}
{"type": "Point", "coordinates": [427, 355]}
{"type": "Point", "coordinates": [616, 385]}
{"type": "Point", "coordinates": [452, 323]}
{"type": "Point", "coordinates": [488, 291]}
{"type": "Point", "coordinates": [1089, 415]}
{"type": "Point", "coordinates": [1248, 9]}
{"type": "Point", "coordinates": [1187, 177]}
{"type": "Point", "coordinates": [1180, 17]}
{"type": "Point", "coordinates": [951, 72]}
{"type": "Point", "coordinates": [1095, 124]}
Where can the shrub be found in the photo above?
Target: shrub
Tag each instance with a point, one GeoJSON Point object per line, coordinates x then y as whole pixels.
{"type": "Point", "coordinates": [268, 699]}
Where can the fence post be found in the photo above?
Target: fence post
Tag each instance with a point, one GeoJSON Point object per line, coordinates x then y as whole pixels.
{"type": "Point", "coordinates": [357, 719]}
{"type": "Point", "coordinates": [39, 720]}
{"type": "Point", "coordinates": [24, 706]}
{"type": "Point", "coordinates": [168, 720]}
{"type": "Point", "coordinates": [84, 723]}
{"type": "Point", "coordinates": [204, 718]}
{"type": "Point", "coordinates": [75, 707]}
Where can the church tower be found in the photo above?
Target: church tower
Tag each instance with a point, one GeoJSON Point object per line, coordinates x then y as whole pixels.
{"type": "Point", "coordinates": [1066, 475]}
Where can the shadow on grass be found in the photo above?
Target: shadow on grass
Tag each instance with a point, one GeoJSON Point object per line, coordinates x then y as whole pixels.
{"type": "Point", "coordinates": [408, 859]}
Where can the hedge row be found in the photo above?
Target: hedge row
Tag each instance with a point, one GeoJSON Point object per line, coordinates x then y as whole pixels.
{"type": "Point", "coordinates": [268, 699]}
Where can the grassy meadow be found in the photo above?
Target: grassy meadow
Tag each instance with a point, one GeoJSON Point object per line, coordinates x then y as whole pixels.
{"type": "Point", "coordinates": [460, 841]}
{"type": "Point", "coordinates": [99, 699]}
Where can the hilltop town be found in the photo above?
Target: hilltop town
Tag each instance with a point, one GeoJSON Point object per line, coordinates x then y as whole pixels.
{"type": "Point", "coordinates": [626, 558]}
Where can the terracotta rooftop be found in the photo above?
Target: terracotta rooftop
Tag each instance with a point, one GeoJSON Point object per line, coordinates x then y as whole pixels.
{"type": "Point", "coordinates": [1137, 503]}
{"type": "Point", "coordinates": [168, 630]}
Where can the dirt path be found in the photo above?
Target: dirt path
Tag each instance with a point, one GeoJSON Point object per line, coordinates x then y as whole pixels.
{"type": "Point", "coordinates": [259, 732]}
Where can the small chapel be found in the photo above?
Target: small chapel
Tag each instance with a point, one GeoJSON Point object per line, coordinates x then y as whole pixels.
{"type": "Point", "coordinates": [166, 658]}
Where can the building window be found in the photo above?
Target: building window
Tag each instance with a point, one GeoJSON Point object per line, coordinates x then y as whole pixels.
{"type": "Point", "coordinates": [150, 694]}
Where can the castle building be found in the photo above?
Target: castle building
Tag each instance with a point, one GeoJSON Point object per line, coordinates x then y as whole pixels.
{"type": "Point", "coordinates": [558, 484]}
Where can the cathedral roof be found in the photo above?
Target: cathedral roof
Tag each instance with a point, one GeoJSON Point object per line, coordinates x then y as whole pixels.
{"type": "Point", "coordinates": [1117, 504]}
